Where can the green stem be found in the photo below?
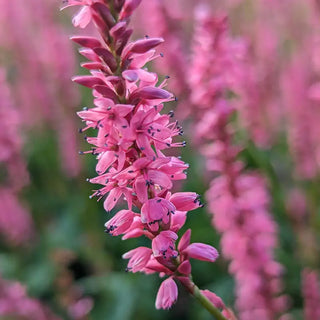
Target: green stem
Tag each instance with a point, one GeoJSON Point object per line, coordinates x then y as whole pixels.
{"type": "Point", "coordinates": [202, 299]}
{"type": "Point", "coordinates": [206, 303]}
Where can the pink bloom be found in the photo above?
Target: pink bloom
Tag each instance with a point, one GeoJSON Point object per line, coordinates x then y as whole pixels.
{"type": "Point", "coordinates": [237, 200]}
{"type": "Point", "coordinates": [163, 245]}
{"type": "Point", "coordinates": [14, 302]}
{"type": "Point", "coordinates": [156, 211]}
{"type": "Point", "coordinates": [311, 294]}
{"type": "Point", "coordinates": [120, 223]}
{"type": "Point", "coordinates": [139, 258]}
{"type": "Point", "coordinates": [15, 221]}
{"type": "Point", "coordinates": [167, 294]}
{"type": "Point", "coordinates": [202, 252]}
{"type": "Point", "coordinates": [43, 66]}
{"type": "Point", "coordinates": [185, 201]}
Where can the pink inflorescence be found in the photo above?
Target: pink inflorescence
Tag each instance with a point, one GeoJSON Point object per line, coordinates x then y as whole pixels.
{"type": "Point", "coordinates": [15, 303]}
{"type": "Point", "coordinates": [40, 68]}
{"type": "Point", "coordinates": [238, 200]}
{"type": "Point", "coordinates": [130, 143]}
{"type": "Point", "coordinates": [15, 221]}
{"type": "Point", "coordinates": [301, 97]}
{"type": "Point", "coordinates": [311, 294]}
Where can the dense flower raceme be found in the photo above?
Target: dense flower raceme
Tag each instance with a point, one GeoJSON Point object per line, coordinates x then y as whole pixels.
{"type": "Point", "coordinates": [311, 294]}
{"type": "Point", "coordinates": [260, 108]}
{"type": "Point", "coordinates": [237, 200]}
{"type": "Point", "coordinates": [16, 304]}
{"type": "Point", "coordinates": [15, 222]}
{"type": "Point", "coordinates": [132, 136]}
{"type": "Point", "coordinates": [301, 97]}
{"type": "Point", "coordinates": [11, 138]}
{"type": "Point", "coordinates": [41, 66]}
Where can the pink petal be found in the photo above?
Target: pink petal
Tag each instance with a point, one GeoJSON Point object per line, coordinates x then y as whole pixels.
{"type": "Point", "coordinates": [120, 223]}
{"type": "Point", "coordinates": [141, 189]}
{"type": "Point", "coordinates": [88, 81]}
{"type": "Point", "coordinates": [106, 92]}
{"type": "Point", "coordinates": [128, 7]}
{"type": "Point", "coordinates": [178, 220]}
{"type": "Point", "coordinates": [149, 93]}
{"type": "Point", "coordinates": [216, 301]}
{"type": "Point", "coordinates": [105, 161]}
{"type": "Point", "coordinates": [117, 30]}
{"type": "Point", "coordinates": [112, 199]}
{"type": "Point", "coordinates": [185, 267]}
{"type": "Point", "coordinates": [160, 178]}
{"type": "Point", "coordinates": [185, 240]}
{"type": "Point", "coordinates": [82, 18]}
{"type": "Point", "coordinates": [89, 42]}
{"type": "Point", "coordinates": [144, 45]}
{"type": "Point", "coordinates": [167, 294]}
{"type": "Point", "coordinates": [201, 251]}
{"type": "Point", "coordinates": [185, 201]}
{"type": "Point", "coordinates": [139, 258]}
{"type": "Point", "coordinates": [107, 57]}
{"type": "Point", "coordinates": [103, 12]}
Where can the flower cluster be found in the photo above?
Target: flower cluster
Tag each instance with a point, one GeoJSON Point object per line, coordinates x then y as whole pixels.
{"type": "Point", "coordinates": [311, 294]}
{"type": "Point", "coordinates": [301, 97]}
{"type": "Point", "coordinates": [41, 66]}
{"type": "Point", "coordinates": [15, 303]}
{"type": "Point", "coordinates": [237, 200]}
{"type": "Point", "coordinates": [130, 144]}
{"type": "Point", "coordinates": [259, 105]}
{"type": "Point", "coordinates": [15, 221]}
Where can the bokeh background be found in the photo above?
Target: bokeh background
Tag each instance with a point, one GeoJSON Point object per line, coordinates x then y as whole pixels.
{"type": "Point", "coordinates": [54, 252]}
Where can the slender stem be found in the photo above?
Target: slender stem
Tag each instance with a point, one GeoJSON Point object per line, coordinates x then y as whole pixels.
{"type": "Point", "coordinates": [206, 303]}
{"type": "Point", "coordinates": [202, 299]}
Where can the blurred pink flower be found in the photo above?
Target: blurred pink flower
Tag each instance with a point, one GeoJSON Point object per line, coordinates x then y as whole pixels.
{"type": "Point", "coordinates": [14, 302]}
{"type": "Point", "coordinates": [15, 221]}
{"type": "Point", "coordinates": [40, 68]}
{"type": "Point", "coordinates": [16, 224]}
{"type": "Point", "coordinates": [237, 200]}
{"type": "Point", "coordinates": [311, 294]}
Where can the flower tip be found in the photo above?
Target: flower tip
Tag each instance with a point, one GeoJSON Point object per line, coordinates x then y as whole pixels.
{"type": "Point", "coordinates": [167, 294]}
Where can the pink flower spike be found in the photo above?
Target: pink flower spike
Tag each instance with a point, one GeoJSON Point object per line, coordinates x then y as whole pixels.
{"type": "Point", "coordinates": [167, 294]}
{"type": "Point", "coordinates": [185, 201]}
{"type": "Point", "coordinates": [120, 223]}
{"type": "Point", "coordinates": [201, 251]}
{"type": "Point", "coordinates": [139, 258]}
